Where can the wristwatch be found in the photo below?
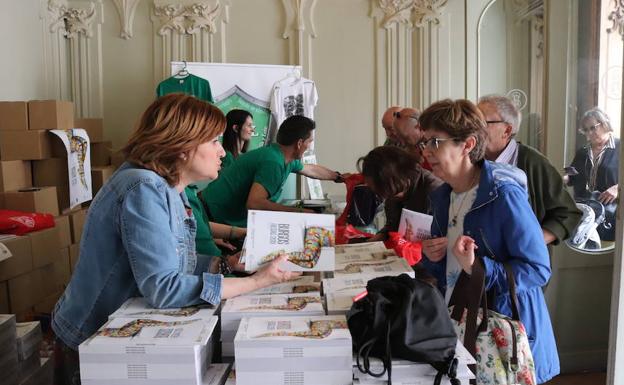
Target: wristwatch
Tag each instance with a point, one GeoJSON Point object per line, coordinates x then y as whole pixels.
{"type": "Point", "coordinates": [339, 178]}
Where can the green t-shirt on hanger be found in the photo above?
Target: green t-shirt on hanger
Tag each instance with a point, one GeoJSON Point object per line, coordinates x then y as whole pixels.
{"type": "Point", "coordinates": [190, 85]}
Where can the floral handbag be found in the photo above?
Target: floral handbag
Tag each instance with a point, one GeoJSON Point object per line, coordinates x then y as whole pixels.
{"type": "Point", "coordinates": [499, 344]}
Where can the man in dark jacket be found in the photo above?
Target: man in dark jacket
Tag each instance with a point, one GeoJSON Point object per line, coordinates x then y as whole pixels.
{"type": "Point", "coordinates": [552, 204]}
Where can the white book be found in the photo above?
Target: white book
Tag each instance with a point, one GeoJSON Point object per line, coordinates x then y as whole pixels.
{"type": "Point", "coordinates": [29, 337]}
{"type": "Point", "coordinates": [138, 307]}
{"type": "Point", "coordinates": [374, 251]}
{"type": "Point", "coordinates": [340, 302]}
{"type": "Point", "coordinates": [345, 282]}
{"type": "Point", "coordinates": [415, 226]}
{"type": "Point", "coordinates": [387, 267]}
{"type": "Point", "coordinates": [308, 346]}
{"type": "Point", "coordinates": [142, 349]}
{"type": "Point", "coordinates": [216, 374]}
{"type": "Point", "coordinates": [298, 377]}
{"type": "Point", "coordinates": [307, 239]}
{"type": "Point", "coordinates": [302, 284]}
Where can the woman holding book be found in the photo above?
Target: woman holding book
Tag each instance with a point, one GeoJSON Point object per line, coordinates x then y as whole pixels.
{"type": "Point", "coordinates": [396, 176]}
{"type": "Point", "coordinates": [139, 236]}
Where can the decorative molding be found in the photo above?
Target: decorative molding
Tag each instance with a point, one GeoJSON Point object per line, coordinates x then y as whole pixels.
{"type": "Point", "coordinates": [71, 21]}
{"type": "Point", "coordinates": [126, 10]}
{"type": "Point", "coordinates": [532, 12]}
{"type": "Point", "coordinates": [188, 19]}
{"type": "Point", "coordinates": [192, 30]}
{"type": "Point", "coordinates": [617, 18]}
{"type": "Point", "coordinates": [300, 30]}
{"type": "Point", "coordinates": [411, 12]}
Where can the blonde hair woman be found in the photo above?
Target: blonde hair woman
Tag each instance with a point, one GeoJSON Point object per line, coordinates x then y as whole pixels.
{"type": "Point", "coordinates": [139, 236]}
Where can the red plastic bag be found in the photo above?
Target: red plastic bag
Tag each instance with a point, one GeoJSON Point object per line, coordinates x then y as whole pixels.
{"type": "Point", "coordinates": [348, 232]}
{"type": "Point", "coordinates": [410, 251]}
{"type": "Point", "coordinates": [20, 223]}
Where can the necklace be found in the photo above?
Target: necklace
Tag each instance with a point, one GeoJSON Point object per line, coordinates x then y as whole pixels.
{"type": "Point", "coordinates": [461, 203]}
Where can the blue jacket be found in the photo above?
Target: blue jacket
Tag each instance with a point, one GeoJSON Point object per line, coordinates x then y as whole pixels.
{"type": "Point", "coordinates": [505, 230]}
{"type": "Point", "coordinates": [138, 240]}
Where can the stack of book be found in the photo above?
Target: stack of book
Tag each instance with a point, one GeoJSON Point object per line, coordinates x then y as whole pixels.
{"type": "Point", "coordinates": [288, 305]}
{"type": "Point", "coordinates": [294, 350]}
{"type": "Point", "coordinates": [29, 339]}
{"type": "Point", "coordinates": [369, 259]}
{"type": "Point", "coordinates": [339, 292]}
{"type": "Point", "coordinates": [299, 285]}
{"type": "Point", "coordinates": [8, 350]}
{"type": "Point", "coordinates": [140, 345]}
{"type": "Point", "coordinates": [407, 372]}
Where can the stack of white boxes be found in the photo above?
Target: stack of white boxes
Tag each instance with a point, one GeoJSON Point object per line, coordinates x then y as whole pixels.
{"type": "Point", "coordinates": [8, 350]}
{"type": "Point", "coordinates": [273, 305]}
{"type": "Point", "coordinates": [141, 345]}
{"type": "Point", "coordinates": [29, 339]}
{"type": "Point", "coordinates": [294, 350]}
{"type": "Point", "coordinates": [409, 373]}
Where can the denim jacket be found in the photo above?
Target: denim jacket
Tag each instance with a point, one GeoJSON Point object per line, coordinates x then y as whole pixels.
{"type": "Point", "coordinates": [505, 230]}
{"type": "Point", "coordinates": [138, 240]}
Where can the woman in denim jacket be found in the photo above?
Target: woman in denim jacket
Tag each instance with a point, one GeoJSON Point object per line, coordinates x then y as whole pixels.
{"type": "Point", "coordinates": [139, 236]}
{"type": "Point", "coordinates": [482, 211]}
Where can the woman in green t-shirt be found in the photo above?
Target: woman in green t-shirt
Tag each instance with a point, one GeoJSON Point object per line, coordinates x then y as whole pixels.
{"type": "Point", "coordinates": [237, 135]}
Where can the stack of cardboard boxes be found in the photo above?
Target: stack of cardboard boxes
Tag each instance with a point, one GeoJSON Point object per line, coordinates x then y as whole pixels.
{"type": "Point", "coordinates": [34, 178]}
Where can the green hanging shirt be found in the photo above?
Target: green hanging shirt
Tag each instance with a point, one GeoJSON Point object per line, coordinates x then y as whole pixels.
{"type": "Point", "coordinates": [190, 85]}
{"type": "Point", "coordinates": [226, 197]}
{"type": "Point", "coordinates": [204, 243]}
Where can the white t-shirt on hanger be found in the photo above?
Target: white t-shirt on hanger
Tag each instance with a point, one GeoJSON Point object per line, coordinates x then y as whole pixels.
{"type": "Point", "coordinates": [293, 96]}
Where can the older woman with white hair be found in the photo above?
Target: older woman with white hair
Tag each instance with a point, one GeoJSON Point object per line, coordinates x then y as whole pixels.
{"type": "Point", "coordinates": [596, 164]}
{"type": "Point", "coordinates": [552, 204]}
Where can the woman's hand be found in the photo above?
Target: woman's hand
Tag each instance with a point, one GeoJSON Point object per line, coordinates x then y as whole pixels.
{"type": "Point", "coordinates": [609, 195]}
{"type": "Point", "coordinates": [225, 244]}
{"type": "Point", "coordinates": [435, 248]}
{"type": "Point", "coordinates": [272, 273]}
{"type": "Point", "coordinates": [233, 262]}
{"type": "Point", "coordinates": [464, 252]}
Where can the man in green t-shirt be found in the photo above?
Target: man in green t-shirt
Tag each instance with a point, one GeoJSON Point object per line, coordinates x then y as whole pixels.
{"type": "Point", "coordinates": [255, 180]}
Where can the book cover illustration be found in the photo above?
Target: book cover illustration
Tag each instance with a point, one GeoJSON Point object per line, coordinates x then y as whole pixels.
{"type": "Point", "coordinates": [137, 307]}
{"type": "Point", "coordinates": [415, 226]}
{"type": "Point", "coordinates": [300, 285]}
{"type": "Point", "coordinates": [292, 304]}
{"type": "Point", "coordinates": [314, 328]}
{"type": "Point", "coordinates": [307, 239]}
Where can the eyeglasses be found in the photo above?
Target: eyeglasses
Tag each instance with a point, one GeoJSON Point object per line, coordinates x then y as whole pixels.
{"type": "Point", "coordinates": [397, 115]}
{"type": "Point", "coordinates": [434, 143]}
{"type": "Point", "coordinates": [495, 121]}
{"type": "Point", "coordinates": [585, 130]}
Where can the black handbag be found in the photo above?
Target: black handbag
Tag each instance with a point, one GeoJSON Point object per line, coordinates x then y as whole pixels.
{"type": "Point", "coordinates": [406, 318]}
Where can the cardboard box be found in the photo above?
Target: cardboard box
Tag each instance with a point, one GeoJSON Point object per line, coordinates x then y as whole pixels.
{"type": "Point", "coordinates": [53, 172]}
{"type": "Point", "coordinates": [94, 128]}
{"type": "Point", "coordinates": [25, 145]}
{"type": "Point", "coordinates": [62, 224]}
{"type": "Point", "coordinates": [47, 304]}
{"type": "Point", "coordinates": [56, 276]}
{"type": "Point", "coordinates": [46, 246]}
{"type": "Point", "coordinates": [21, 262]}
{"type": "Point", "coordinates": [15, 175]}
{"type": "Point", "coordinates": [99, 176]}
{"type": "Point", "coordinates": [50, 114]}
{"type": "Point", "coordinates": [34, 200]}
{"type": "Point", "coordinates": [13, 116]}
{"type": "Point", "coordinates": [4, 298]}
{"type": "Point", "coordinates": [74, 253]}
{"type": "Point", "coordinates": [101, 154]}
{"type": "Point", "coordinates": [77, 220]}
{"type": "Point", "coordinates": [26, 290]}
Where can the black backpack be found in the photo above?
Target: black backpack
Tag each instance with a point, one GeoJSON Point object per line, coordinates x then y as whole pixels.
{"type": "Point", "coordinates": [406, 318]}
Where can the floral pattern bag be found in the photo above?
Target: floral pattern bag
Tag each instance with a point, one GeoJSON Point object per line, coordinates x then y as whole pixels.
{"type": "Point", "coordinates": [499, 343]}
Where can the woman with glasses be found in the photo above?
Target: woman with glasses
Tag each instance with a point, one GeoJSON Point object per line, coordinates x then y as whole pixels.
{"type": "Point", "coordinates": [482, 215]}
{"type": "Point", "coordinates": [595, 166]}
{"type": "Point", "coordinates": [395, 175]}
{"type": "Point", "coordinates": [237, 134]}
